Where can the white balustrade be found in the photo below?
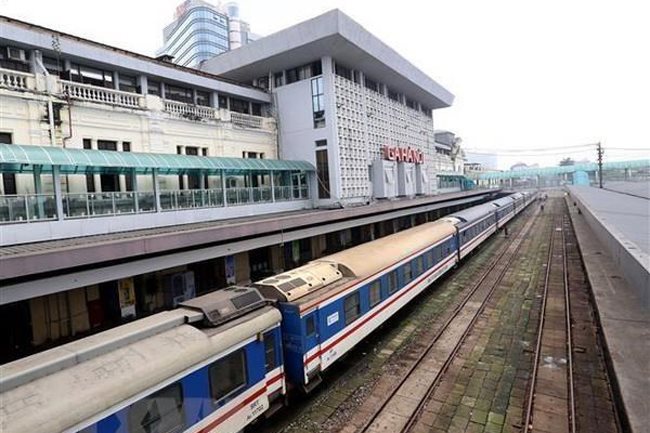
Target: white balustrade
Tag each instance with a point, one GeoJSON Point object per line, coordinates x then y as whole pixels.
{"type": "Point", "coordinates": [246, 120]}
{"type": "Point", "coordinates": [14, 79]}
{"type": "Point", "coordinates": [100, 95]}
{"type": "Point", "coordinates": [190, 111]}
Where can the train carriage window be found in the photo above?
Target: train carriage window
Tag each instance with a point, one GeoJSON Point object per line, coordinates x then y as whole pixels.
{"type": "Point", "coordinates": [408, 275]}
{"type": "Point", "coordinates": [419, 265]}
{"type": "Point", "coordinates": [310, 325]}
{"type": "Point", "coordinates": [270, 359]}
{"type": "Point", "coordinates": [392, 282]}
{"type": "Point", "coordinates": [160, 412]}
{"type": "Point", "coordinates": [375, 293]}
{"type": "Point", "coordinates": [430, 260]}
{"type": "Point", "coordinates": [227, 375]}
{"type": "Point", "coordinates": [352, 308]}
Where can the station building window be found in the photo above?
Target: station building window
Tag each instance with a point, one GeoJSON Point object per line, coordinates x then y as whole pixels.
{"type": "Point", "coordinates": [14, 58]}
{"type": "Point", "coordinates": [202, 98]}
{"type": "Point", "coordinates": [177, 93]}
{"type": "Point", "coordinates": [53, 65]}
{"type": "Point", "coordinates": [318, 102]}
{"type": "Point", "coordinates": [278, 79]}
{"type": "Point", "coordinates": [108, 182]}
{"type": "Point", "coordinates": [8, 179]}
{"type": "Point", "coordinates": [90, 178]}
{"type": "Point", "coordinates": [128, 83]}
{"type": "Point", "coordinates": [223, 101]}
{"type": "Point", "coordinates": [154, 87]}
{"type": "Point", "coordinates": [239, 106]}
{"type": "Point", "coordinates": [93, 76]}
{"type": "Point", "coordinates": [322, 174]}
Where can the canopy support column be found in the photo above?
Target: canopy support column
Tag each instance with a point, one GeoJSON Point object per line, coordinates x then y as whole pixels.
{"type": "Point", "coordinates": [38, 188]}
{"type": "Point", "coordinates": [134, 184]}
{"type": "Point", "coordinates": [272, 187]}
{"type": "Point", "coordinates": [156, 190]}
{"type": "Point", "coordinates": [223, 188]}
{"type": "Point", "coordinates": [58, 195]}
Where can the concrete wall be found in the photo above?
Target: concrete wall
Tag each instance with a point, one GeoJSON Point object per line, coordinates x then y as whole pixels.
{"type": "Point", "coordinates": [297, 134]}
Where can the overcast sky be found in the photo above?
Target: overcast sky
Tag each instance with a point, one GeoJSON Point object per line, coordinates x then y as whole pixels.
{"type": "Point", "coordinates": [526, 74]}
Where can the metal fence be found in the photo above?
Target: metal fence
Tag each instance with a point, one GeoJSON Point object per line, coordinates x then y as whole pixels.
{"type": "Point", "coordinates": [42, 207]}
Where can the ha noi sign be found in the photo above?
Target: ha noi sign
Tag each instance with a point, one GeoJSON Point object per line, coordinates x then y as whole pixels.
{"type": "Point", "coordinates": [403, 154]}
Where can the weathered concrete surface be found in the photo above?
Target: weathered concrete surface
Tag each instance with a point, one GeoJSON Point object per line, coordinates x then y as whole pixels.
{"type": "Point", "coordinates": [625, 323]}
{"type": "Point", "coordinates": [622, 225]}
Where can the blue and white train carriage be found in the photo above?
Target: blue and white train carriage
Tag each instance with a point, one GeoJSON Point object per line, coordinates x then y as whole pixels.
{"type": "Point", "coordinates": [332, 303]}
{"type": "Point", "coordinates": [214, 364]}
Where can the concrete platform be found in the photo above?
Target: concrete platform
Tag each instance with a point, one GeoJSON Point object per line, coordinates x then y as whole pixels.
{"type": "Point", "coordinates": [622, 312]}
{"type": "Point", "coordinates": [639, 189]}
{"type": "Point", "coordinates": [621, 222]}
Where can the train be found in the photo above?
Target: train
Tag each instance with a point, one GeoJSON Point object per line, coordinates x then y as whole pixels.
{"type": "Point", "coordinates": [219, 362]}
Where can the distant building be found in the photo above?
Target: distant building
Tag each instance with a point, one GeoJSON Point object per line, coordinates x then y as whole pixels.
{"type": "Point", "coordinates": [201, 30]}
{"type": "Point", "coordinates": [488, 161]}
{"type": "Point", "coordinates": [523, 166]}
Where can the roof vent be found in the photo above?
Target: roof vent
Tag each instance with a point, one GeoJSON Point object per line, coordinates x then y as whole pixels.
{"type": "Point", "coordinates": [224, 305]}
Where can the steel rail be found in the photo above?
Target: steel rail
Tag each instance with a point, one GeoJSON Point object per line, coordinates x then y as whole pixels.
{"type": "Point", "coordinates": [444, 327]}
{"type": "Point", "coordinates": [569, 337]}
{"type": "Point", "coordinates": [540, 332]}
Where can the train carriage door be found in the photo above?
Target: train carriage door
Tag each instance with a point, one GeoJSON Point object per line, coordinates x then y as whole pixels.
{"type": "Point", "coordinates": [311, 347]}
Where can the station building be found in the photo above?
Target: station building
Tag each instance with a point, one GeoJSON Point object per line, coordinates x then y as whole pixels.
{"type": "Point", "coordinates": [117, 167]}
{"type": "Point", "coordinates": [347, 103]}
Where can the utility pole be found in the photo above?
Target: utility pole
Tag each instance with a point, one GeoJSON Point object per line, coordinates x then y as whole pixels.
{"type": "Point", "coordinates": [600, 164]}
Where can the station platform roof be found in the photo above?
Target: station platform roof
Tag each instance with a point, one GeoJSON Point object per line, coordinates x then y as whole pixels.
{"type": "Point", "coordinates": [16, 158]}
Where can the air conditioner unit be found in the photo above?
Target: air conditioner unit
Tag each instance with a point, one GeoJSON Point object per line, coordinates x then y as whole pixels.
{"type": "Point", "coordinates": [16, 54]}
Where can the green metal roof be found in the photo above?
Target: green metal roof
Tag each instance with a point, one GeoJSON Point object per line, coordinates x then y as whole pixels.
{"type": "Point", "coordinates": [552, 171]}
{"type": "Point", "coordinates": [22, 159]}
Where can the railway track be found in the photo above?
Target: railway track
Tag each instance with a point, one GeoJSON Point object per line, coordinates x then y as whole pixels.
{"type": "Point", "coordinates": [400, 409]}
{"type": "Point", "coordinates": [550, 403]}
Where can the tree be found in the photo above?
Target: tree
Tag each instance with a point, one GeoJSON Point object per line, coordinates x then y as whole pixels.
{"type": "Point", "coordinates": [567, 161]}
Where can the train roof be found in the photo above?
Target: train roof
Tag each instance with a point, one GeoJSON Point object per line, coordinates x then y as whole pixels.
{"type": "Point", "coordinates": [60, 388]}
{"type": "Point", "coordinates": [503, 201]}
{"type": "Point", "coordinates": [474, 213]}
{"type": "Point", "coordinates": [325, 276]}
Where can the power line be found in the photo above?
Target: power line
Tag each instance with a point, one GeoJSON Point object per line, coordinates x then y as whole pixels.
{"type": "Point", "coordinates": [552, 152]}
{"type": "Point", "coordinates": [541, 149]}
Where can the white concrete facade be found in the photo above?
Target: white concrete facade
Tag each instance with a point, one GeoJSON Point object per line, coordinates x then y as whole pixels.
{"type": "Point", "coordinates": [136, 120]}
{"type": "Point", "coordinates": [372, 97]}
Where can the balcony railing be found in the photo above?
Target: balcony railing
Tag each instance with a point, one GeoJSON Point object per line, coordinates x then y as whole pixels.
{"type": "Point", "coordinates": [42, 207]}
{"type": "Point", "coordinates": [26, 208]}
{"type": "Point", "coordinates": [191, 198]}
{"type": "Point", "coordinates": [15, 80]}
{"type": "Point", "coordinates": [101, 95]}
{"type": "Point", "coordinates": [106, 203]}
{"type": "Point", "coordinates": [190, 111]}
{"type": "Point", "coordinates": [22, 81]}
{"type": "Point", "coordinates": [246, 120]}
